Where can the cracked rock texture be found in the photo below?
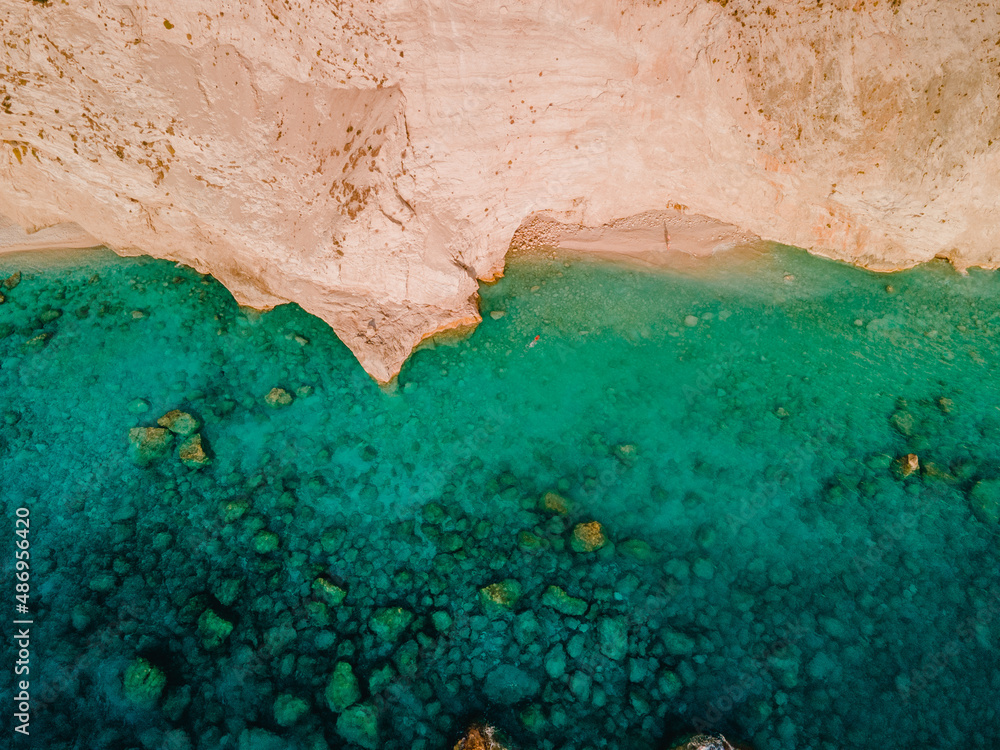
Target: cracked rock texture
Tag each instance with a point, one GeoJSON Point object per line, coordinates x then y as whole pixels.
{"type": "Point", "coordinates": [371, 160]}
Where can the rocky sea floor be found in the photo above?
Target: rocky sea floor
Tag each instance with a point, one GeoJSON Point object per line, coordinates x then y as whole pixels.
{"type": "Point", "coordinates": [763, 500]}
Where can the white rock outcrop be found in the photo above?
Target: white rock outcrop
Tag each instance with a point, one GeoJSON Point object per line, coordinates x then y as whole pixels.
{"type": "Point", "coordinates": [372, 160]}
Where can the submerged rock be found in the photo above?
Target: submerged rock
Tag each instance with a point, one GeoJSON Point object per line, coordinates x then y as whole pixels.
{"type": "Point", "coordinates": [265, 541]}
{"type": "Point", "coordinates": [499, 597]}
{"type": "Point", "coordinates": [555, 503]}
{"type": "Point", "coordinates": [703, 742]}
{"type": "Point", "coordinates": [588, 537]}
{"type": "Point", "coordinates": [278, 397]}
{"type": "Point", "coordinates": [407, 659]}
{"type": "Point", "coordinates": [442, 621]}
{"type": "Point", "coordinates": [328, 591]}
{"type": "Point", "coordinates": [178, 422]}
{"type": "Point", "coordinates": [143, 682]}
{"type": "Point", "coordinates": [256, 738]}
{"type": "Point", "coordinates": [359, 724]}
{"type": "Point", "coordinates": [381, 678]}
{"type": "Point", "coordinates": [288, 709]}
{"type": "Point", "coordinates": [480, 737]}
{"type": "Point", "coordinates": [149, 443]}
{"type": "Point", "coordinates": [985, 501]}
{"type": "Point", "coordinates": [614, 638]}
{"type": "Point", "coordinates": [903, 422]}
{"type": "Point", "coordinates": [213, 629]}
{"type": "Point", "coordinates": [626, 453]}
{"type": "Point", "coordinates": [678, 644]}
{"type": "Point", "coordinates": [12, 281]}
{"type": "Point", "coordinates": [560, 601]}
{"type": "Point", "coordinates": [234, 510]}
{"type": "Point", "coordinates": [192, 452]}
{"type": "Point", "coordinates": [342, 690]}
{"type": "Point", "coordinates": [390, 622]}
{"type": "Point", "coordinates": [36, 343]}
{"type": "Point", "coordinates": [138, 406]}
{"type": "Point", "coordinates": [580, 685]}
{"type": "Point", "coordinates": [637, 549]}
{"type": "Point", "coordinates": [670, 685]}
{"type": "Point", "coordinates": [555, 662]}
{"type": "Point", "coordinates": [508, 685]}
{"type": "Point", "coordinates": [906, 465]}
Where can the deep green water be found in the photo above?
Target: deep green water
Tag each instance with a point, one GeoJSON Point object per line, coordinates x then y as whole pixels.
{"type": "Point", "coordinates": [767, 573]}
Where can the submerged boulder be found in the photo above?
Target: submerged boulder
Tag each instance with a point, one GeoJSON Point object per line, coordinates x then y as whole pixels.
{"type": "Point", "coordinates": [288, 709]}
{"type": "Point", "coordinates": [149, 443]}
{"type": "Point", "coordinates": [342, 690]}
{"type": "Point", "coordinates": [328, 591]}
{"type": "Point", "coordinates": [638, 550]}
{"type": "Point", "coordinates": [178, 422]}
{"type": "Point", "coordinates": [390, 622]}
{"type": "Point", "coordinates": [508, 685]}
{"type": "Point", "coordinates": [906, 465]}
{"type": "Point", "coordinates": [359, 724]}
{"type": "Point", "coordinates": [278, 397]}
{"type": "Point", "coordinates": [560, 601]}
{"type": "Point", "coordinates": [192, 452]}
{"type": "Point", "coordinates": [903, 422]}
{"type": "Point", "coordinates": [614, 637]}
{"type": "Point", "coordinates": [213, 629]}
{"type": "Point", "coordinates": [985, 501]}
{"type": "Point", "coordinates": [255, 738]}
{"type": "Point", "coordinates": [588, 537]}
{"type": "Point", "coordinates": [500, 597]}
{"type": "Point", "coordinates": [555, 503]}
{"type": "Point", "coordinates": [480, 737]}
{"type": "Point", "coordinates": [703, 742]}
{"type": "Point", "coordinates": [143, 682]}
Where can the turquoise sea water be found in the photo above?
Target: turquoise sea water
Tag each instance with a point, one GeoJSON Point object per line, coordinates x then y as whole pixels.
{"type": "Point", "coordinates": [327, 580]}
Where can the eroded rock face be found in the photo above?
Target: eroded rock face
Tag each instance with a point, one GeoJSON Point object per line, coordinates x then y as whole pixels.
{"type": "Point", "coordinates": [371, 161]}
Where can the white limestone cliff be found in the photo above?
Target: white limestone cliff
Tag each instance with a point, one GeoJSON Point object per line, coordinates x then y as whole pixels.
{"type": "Point", "coordinates": [371, 160]}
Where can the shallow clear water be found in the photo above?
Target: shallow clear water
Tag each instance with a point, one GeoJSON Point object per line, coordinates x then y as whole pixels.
{"type": "Point", "coordinates": [768, 572]}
